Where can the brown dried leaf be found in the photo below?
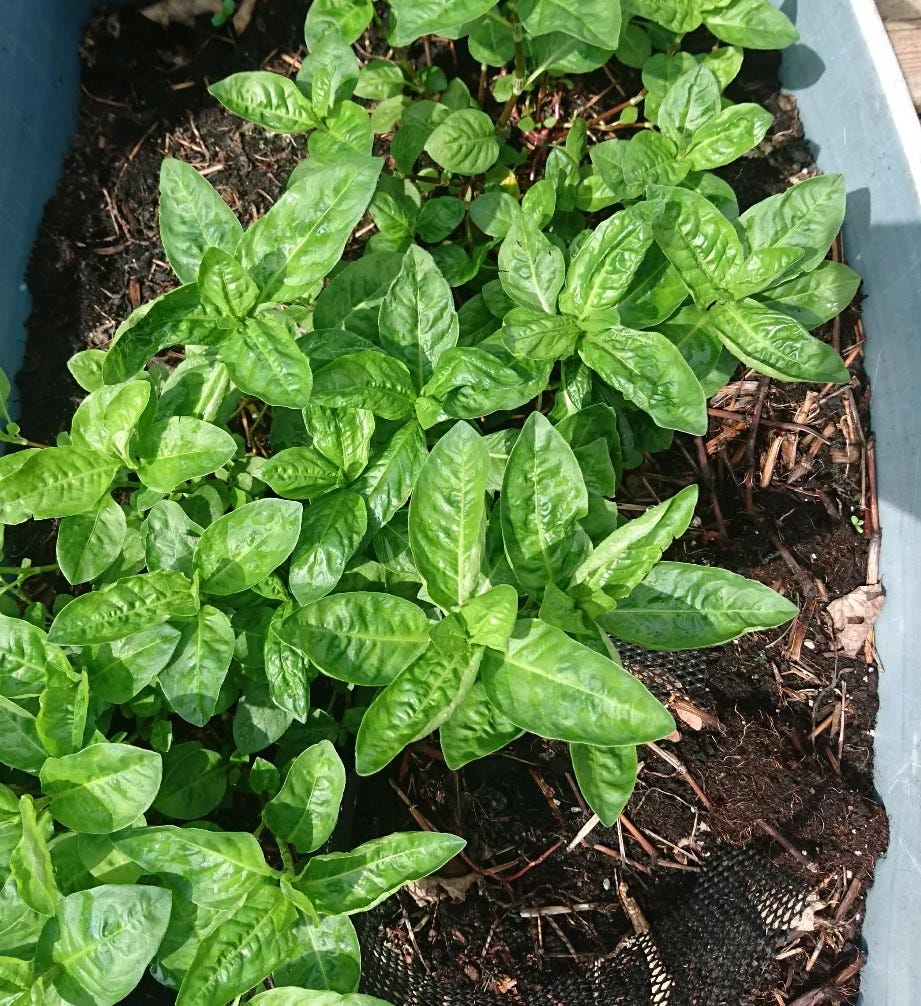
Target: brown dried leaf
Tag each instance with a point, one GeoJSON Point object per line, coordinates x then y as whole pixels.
{"type": "Point", "coordinates": [853, 616]}
{"type": "Point", "coordinates": [432, 889]}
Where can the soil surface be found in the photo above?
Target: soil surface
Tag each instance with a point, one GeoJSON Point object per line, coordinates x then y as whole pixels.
{"type": "Point", "coordinates": [776, 730]}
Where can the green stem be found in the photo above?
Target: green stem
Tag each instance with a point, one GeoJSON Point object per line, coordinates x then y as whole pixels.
{"type": "Point", "coordinates": [520, 82]}
{"type": "Point", "coordinates": [26, 572]}
{"type": "Point", "coordinates": [286, 860]}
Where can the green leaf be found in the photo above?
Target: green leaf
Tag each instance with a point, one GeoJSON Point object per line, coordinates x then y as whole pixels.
{"type": "Point", "coordinates": [105, 421]}
{"type": "Point", "coordinates": [367, 380]}
{"type": "Point", "coordinates": [303, 235]}
{"type": "Point", "coordinates": [627, 555]}
{"type": "Point", "coordinates": [211, 868]}
{"type": "Point", "coordinates": [120, 669]}
{"type": "Point", "coordinates": [681, 607]}
{"type": "Point", "coordinates": [414, 18]}
{"type": "Point", "coordinates": [193, 218]}
{"type": "Point", "coordinates": [465, 143]}
{"type": "Point", "coordinates": [224, 286]}
{"type": "Point", "coordinates": [692, 101]}
{"type": "Point", "coordinates": [192, 679]}
{"type": "Point", "coordinates": [88, 543]}
{"type": "Point", "coordinates": [25, 655]}
{"type": "Point", "coordinates": [762, 269]}
{"type": "Point", "coordinates": [342, 435]}
{"type": "Point", "coordinates": [299, 473]}
{"type": "Point", "coordinates": [241, 951]}
{"type": "Point", "coordinates": [388, 480]}
{"type": "Point", "coordinates": [268, 99]}
{"type": "Point", "coordinates": [728, 135]}
{"type": "Point", "coordinates": [264, 360]}
{"type": "Point", "coordinates": [170, 537]}
{"type": "Point", "coordinates": [754, 24]}
{"type": "Point", "coordinates": [655, 293]}
{"type": "Point", "coordinates": [123, 607]}
{"type": "Point", "coordinates": [447, 516]}
{"type": "Point", "coordinates": [533, 335]}
{"type": "Point", "coordinates": [595, 22]}
{"type": "Point", "coordinates": [557, 688]}
{"type": "Point", "coordinates": [328, 956]}
{"type": "Point", "coordinates": [346, 18]}
{"type": "Point", "coordinates": [808, 216]}
{"type": "Point", "coordinates": [20, 745]}
{"type": "Point", "coordinates": [288, 670]}
{"type": "Point", "coordinates": [417, 317]}
{"type": "Point", "coordinates": [343, 883]}
{"type": "Point", "coordinates": [352, 298]}
{"type": "Point", "coordinates": [679, 16]}
{"type": "Point", "coordinates": [306, 808]}
{"type": "Point", "coordinates": [86, 368]}
{"type": "Point", "coordinates": [364, 638]}
{"type": "Point", "coordinates": [650, 372]}
{"type": "Point", "coordinates": [62, 710]}
{"type": "Point", "coordinates": [30, 863]}
{"type": "Point", "coordinates": [439, 217]}
{"type": "Point", "coordinates": [606, 777]}
{"type": "Point", "coordinates": [629, 167]}
{"type": "Point", "coordinates": [300, 997]}
{"type": "Point", "coordinates": [55, 482]}
{"type": "Point", "coordinates": [416, 702]}
{"type": "Point", "coordinates": [816, 297]}
{"type": "Point", "coordinates": [332, 528]}
{"type": "Point", "coordinates": [543, 498]}
{"type": "Point", "coordinates": [490, 617]}
{"type": "Point", "coordinates": [531, 268]}
{"type": "Point", "coordinates": [102, 788]}
{"type": "Point", "coordinates": [494, 212]}
{"type": "Point", "coordinates": [699, 241]}
{"type": "Point", "coordinates": [105, 938]}
{"type": "Point", "coordinates": [243, 547]}
{"type": "Point", "coordinates": [180, 448]}
{"type": "Point", "coordinates": [774, 344]}
{"type": "Point", "coordinates": [475, 729]}
{"type": "Point", "coordinates": [601, 271]}
{"type": "Point", "coordinates": [194, 782]}
{"type": "Point", "coordinates": [258, 721]}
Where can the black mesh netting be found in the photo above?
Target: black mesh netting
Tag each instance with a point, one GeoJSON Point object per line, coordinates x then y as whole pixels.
{"type": "Point", "coordinates": [710, 947]}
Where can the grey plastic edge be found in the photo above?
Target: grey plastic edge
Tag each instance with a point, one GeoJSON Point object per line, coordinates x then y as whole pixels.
{"type": "Point", "coordinates": [39, 90]}
{"type": "Point", "coordinates": [856, 108]}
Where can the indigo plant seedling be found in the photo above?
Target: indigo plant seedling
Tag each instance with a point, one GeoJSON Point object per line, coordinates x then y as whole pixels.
{"type": "Point", "coordinates": [377, 497]}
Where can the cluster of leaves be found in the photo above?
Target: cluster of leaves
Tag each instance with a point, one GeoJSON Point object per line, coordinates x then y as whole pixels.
{"type": "Point", "coordinates": [376, 497]}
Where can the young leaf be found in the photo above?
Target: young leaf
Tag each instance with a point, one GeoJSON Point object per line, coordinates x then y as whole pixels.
{"type": "Point", "coordinates": [681, 607]}
{"type": "Point", "coordinates": [346, 18]}
{"type": "Point", "coordinates": [629, 167]}
{"type": "Point", "coordinates": [170, 536]}
{"type": "Point", "coordinates": [388, 480]}
{"type": "Point", "coordinates": [181, 448]}
{"type": "Point", "coordinates": [475, 729]}
{"type": "Point", "coordinates": [543, 497]}
{"type": "Point", "coordinates": [625, 557]}
{"type": "Point", "coordinates": [245, 546]}
{"type": "Point", "coordinates": [341, 435]}
{"type": "Point", "coordinates": [807, 216]}
{"type": "Point", "coordinates": [343, 883]}
{"type": "Point", "coordinates": [241, 951]}
{"type": "Point", "coordinates": [328, 956]}
{"type": "Point", "coordinates": [601, 271]}
{"type": "Point", "coordinates": [194, 782]}
{"type": "Point", "coordinates": [606, 777]}
{"type": "Point", "coordinates": [816, 297]}
{"type": "Point", "coordinates": [331, 531]}
{"type": "Point", "coordinates": [299, 473]}
{"type": "Point", "coordinates": [595, 22]}
{"type": "Point", "coordinates": [62, 710]}
{"type": "Point", "coordinates": [105, 938]}
{"type": "Point", "coordinates": [416, 702]}
{"type": "Point", "coordinates": [533, 335]}
{"type": "Point", "coordinates": [224, 286]}
{"type": "Point", "coordinates": [531, 268]}
{"type": "Point", "coordinates": [30, 863]}
{"type": "Point", "coordinates": [303, 235]}
{"type": "Point", "coordinates": [264, 360]}
{"type": "Point", "coordinates": [465, 143]}
{"type": "Point", "coordinates": [268, 99]}
{"type": "Point", "coordinates": [650, 372]}
{"type": "Point", "coordinates": [369, 380]}
{"type": "Point", "coordinates": [417, 317]}
{"type": "Point", "coordinates": [192, 679]}
{"type": "Point", "coordinates": [306, 808]}
{"type": "Point", "coordinates": [364, 638]}
{"type": "Point", "coordinates": [123, 607]}
{"type": "Point", "coordinates": [555, 687]}
{"type": "Point", "coordinates": [690, 102]}
{"type": "Point", "coordinates": [754, 24]}
{"type": "Point", "coordinates": [774, 344]}
{"type": "Point", "coordinates": [447, 516]}
{"type": "Point", "coordinates": [489, 618]}
{"type": "Point", "coordinates": [193, 218]}
{"type": "Point", "coordinates": [88, 543]}
{"type": "Point", "coordinates": [102, 788]}
{"type": "Point", "coordinates": [414, 18]}
{"type": "Point", "coordinates": [728, 135]}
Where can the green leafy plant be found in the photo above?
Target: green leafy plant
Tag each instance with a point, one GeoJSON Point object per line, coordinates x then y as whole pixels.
{"type": "Point", "coordinates": [377, 496]}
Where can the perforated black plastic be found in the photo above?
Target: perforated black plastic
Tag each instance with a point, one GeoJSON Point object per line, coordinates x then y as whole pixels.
{"type": "Point", "coordinates": [710, 949]}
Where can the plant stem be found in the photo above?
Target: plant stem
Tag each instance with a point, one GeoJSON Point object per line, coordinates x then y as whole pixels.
{"type": "Point", "coordinates": [519, 82]}
{"type": "Point", "coordinates": [28, 571]}
{"type": "Point", "coordinates": [285, 852]}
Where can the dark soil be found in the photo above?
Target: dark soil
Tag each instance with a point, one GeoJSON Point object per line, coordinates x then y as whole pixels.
{"type": "Point", "coordinates": [784, 758]}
